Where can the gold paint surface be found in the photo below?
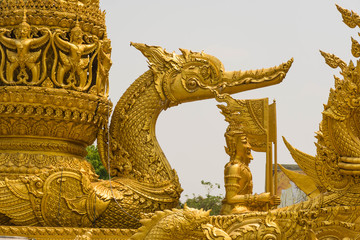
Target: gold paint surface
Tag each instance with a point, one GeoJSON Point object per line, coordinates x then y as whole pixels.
{"type": "Point", "coordinates": [54, 64]}
{"type": "Point", "coordinates": [55, 59]}
{"type": "Point", "coordinates": [249, 128]}
{"type": "Point", "coordinates": [331, 178]}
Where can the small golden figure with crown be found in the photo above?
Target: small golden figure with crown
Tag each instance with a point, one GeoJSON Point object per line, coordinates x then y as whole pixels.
{"type": "Point", "coordinates": [239, 196]}
{"type": "Point", "coordinates": [73, 67]}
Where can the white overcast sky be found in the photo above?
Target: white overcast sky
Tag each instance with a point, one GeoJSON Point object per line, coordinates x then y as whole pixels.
{"type": "Point", "coordinates": [244, 35]}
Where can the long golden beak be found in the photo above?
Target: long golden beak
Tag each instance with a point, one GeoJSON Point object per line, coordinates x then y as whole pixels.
{"type": "Point", "coordinates": [238, 81]}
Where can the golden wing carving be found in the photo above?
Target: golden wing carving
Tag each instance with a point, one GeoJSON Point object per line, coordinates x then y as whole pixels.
{"type": "Point", "coordinates": [39, 42]}
{"type": "Point", "coordinates": [12, 56]}
{"type": "Point", "coordinates": [305, 161]}
{"type": "Point", "coordinates": [304, 182]}
{"type": "Point", "coordinates": [65, 59]}
{"type": "Point", "coordinates": [34, 56]}
{"type": "Point", "coordinates": [60, 43]}
{"type": "Point", "coordinates": [16, 204]}
{"type": "Point", "coordinates": [84, 62]}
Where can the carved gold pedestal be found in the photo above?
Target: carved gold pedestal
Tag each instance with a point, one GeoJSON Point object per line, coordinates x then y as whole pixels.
{"type": "Point", "coordinates": [52, 233]}
{"type": "Point", "coordinates": [43, 129]}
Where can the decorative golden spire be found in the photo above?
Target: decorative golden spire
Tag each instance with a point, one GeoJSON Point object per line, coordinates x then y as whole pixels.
{"type": "Point", "coordinates": [24, 20]}
{"type": "Point", "coordinates": [350, 18]}
{"type": "Point", "coordinates": [63, 14]}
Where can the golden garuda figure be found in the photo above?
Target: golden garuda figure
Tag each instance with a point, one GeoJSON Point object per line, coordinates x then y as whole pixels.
{"type": "Point", "coordinates": [25, 58]}
{"type": "Point", "coordinates": [72, 61]}
{"type": "Point", "coordinates": [51, 112]}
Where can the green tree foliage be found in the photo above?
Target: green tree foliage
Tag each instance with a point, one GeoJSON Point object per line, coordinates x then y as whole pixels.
{"type": "Point", "coordinates": [93, 157]}
{"type": "Point", "coordinates": [207, 202]}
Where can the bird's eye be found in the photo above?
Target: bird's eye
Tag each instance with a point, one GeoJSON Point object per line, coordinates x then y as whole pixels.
{"type": "Point", "coordinates": [191, 84]}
